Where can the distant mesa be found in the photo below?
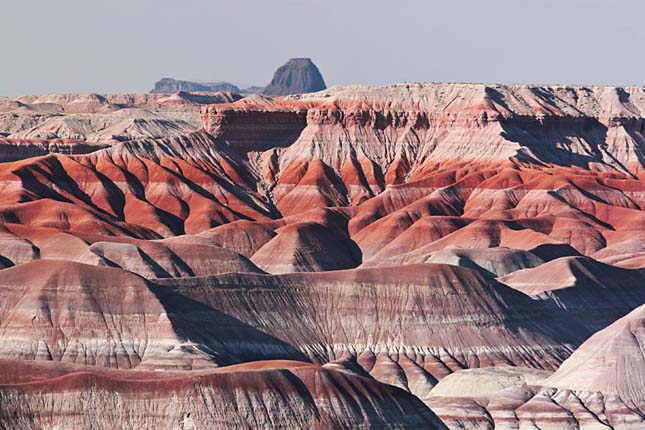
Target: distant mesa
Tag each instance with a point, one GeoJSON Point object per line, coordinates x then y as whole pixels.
{"type": "Point", "coordinates": [252, 90]}
{"type": "Point", "coordinates": [170, 85]}
{"type": "Point", "coordinates": [296, 76]}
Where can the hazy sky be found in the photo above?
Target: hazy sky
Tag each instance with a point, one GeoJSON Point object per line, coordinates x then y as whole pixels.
{"type": "Point", "coordinates": [126, 45]}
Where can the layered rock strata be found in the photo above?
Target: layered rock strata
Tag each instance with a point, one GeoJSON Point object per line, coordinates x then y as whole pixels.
{"type": "Point", "coordinates": [270, 395]}
{"type": "Point", "coordinates": [445, 232]}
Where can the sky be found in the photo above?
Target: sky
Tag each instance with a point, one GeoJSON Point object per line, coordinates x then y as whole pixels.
{"type": "Point", "coordinates": [112, 46]}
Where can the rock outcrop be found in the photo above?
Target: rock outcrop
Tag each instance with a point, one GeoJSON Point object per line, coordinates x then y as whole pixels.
{"type": "Point", "coordinates": [18, 149]}
{"type": "Point", "coordinates": [597, 128]}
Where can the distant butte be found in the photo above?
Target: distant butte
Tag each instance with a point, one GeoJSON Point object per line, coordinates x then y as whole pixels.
{"type": "Point", "coordinates": [296, 76]}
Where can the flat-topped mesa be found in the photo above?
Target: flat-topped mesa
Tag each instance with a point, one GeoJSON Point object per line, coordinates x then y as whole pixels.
{"type": "Point", "coordinates": [170, 85]}
{"type": "Point", "coordinates": [497, 99]}
{"type": "Point", "coordinates": [599, 128]}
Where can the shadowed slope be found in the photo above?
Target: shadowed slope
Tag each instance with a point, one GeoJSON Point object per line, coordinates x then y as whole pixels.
{"type": "Point", "coordinates": [597, 294]}
{"type": "Point", "coordinates": [406, 326]}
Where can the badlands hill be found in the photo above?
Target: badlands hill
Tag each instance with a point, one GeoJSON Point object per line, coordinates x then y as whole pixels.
{"type": "Point", "coordinates": [268, 394]}
{"type": "Point", "coordinates": [417, 255]}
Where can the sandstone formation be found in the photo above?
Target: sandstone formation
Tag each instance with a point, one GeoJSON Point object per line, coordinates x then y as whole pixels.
{"type": "Point", "coordinates": [17, 149]}
{"type": "Point", "coordinates": [410, 250]}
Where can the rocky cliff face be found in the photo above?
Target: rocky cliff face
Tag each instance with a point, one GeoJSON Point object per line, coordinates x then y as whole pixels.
{"type": "Point", "coordinates": [597, 128]}
{"type": "Point", "coordinates": [413, 248]}
{"type": "Point", "coordinates": [296, 76]}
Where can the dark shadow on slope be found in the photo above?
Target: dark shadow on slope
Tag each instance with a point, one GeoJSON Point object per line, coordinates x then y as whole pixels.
{"type": "Point", "coordinates": [278, 129]}
{"type": "Point", "coordinates": [310, 247]}
{"type": "Point", "coordinates": [497, 97]}
{"type": "Point", "coordinates": [34, 186]}
{"type": "Point", "coordinates": [270, 304]}
{"type": "Point", "coordinates": [587, 215]}
{"type": "Point", "coordinates": [639, 149]}
{"type": "Point", "coordinates": [116, 197]}
{"type": "Point", "coordinates": [302, 390]}
{"type": "Point", "coordinates": [541, 318]}
{"type": "Point", "coordinates": [5, 262]}
{"type": "Point", "coordinates": [362, 399]}
{"type": "Point", "coordinates": [551, 251]}
{"type": "Point", "coordinates": [551, 139]}
{"type": "Point", "coordinates": [601, 294]}
{"type": "Point", "coordinates": [223, 337]}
